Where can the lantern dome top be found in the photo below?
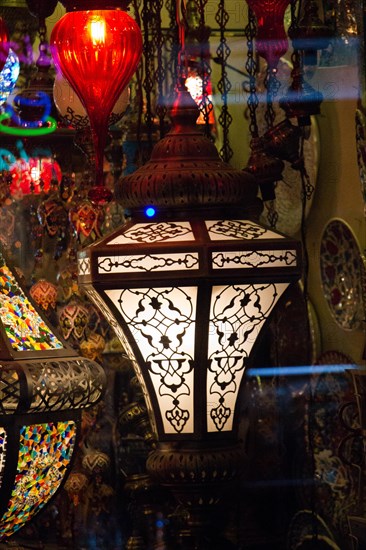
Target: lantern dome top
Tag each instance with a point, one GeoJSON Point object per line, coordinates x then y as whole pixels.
{"type": "Point", "coordinates": [185, 171]}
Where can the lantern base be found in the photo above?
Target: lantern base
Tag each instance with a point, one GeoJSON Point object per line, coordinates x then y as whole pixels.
{"type": "Point", "coordinates": [202, 479]}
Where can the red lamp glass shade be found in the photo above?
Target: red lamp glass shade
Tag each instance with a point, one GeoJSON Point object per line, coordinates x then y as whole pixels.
{"type": "Point", "coordinates": [4, 44]}
{"type": "Point", "coordinates": [97, 51]}
{"type": "Point", "coordinates": [271, 39]}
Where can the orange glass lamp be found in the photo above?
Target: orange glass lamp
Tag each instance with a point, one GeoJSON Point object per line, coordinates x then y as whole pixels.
{"type": "Point", "coordinates": [97, 46]}
{"type": "Point", "coordinates": [44, 386]}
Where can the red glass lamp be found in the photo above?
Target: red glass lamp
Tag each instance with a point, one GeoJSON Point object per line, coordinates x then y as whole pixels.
{"type": "Point", "coordinates": [97, 50]}
{"type": "Point", "coordinates": [4, 44]}
{"type": "Point", "coordinates": [271, 39]}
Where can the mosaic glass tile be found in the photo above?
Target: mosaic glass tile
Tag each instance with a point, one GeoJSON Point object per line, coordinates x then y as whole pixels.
{"type": "Point", "coordinates": [45, 451]}
{"type": "Point", "coordinates": [23, 325]}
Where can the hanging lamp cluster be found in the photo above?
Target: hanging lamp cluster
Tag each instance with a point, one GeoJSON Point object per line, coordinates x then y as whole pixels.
{"type": "Point", "coordinates": [282, 141]}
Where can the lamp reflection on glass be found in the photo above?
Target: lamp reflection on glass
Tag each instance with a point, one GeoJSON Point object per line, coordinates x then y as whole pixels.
{"type": "Point", "coordinates": [194, 84]}
{"type": "Point", "coordinates": [44, 387]}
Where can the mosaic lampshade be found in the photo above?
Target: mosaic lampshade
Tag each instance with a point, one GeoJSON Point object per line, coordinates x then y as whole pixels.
{"type": "Point", "coordinates": [44, 387]}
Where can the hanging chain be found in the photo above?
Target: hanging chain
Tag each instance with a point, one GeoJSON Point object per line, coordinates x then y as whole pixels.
{"type": "Point", "coordinates": [205, 104]}
{"type": "Point", "coordinates": [160, 72]}
{"type": "Point", "coordinates": [148, 83]}
{"type": "Point", "coordinates": [224, 85]}
{"type": "Point", "coordinates": [297, 83]}
{"type": "Point", "coordinates": [137, 81]}
{"type": "Point", "coordinates": [272, 85]}
{"type": "Point", "coordinates": [171, 45]}
{"type": "Point", "coordinates": [251, 66]}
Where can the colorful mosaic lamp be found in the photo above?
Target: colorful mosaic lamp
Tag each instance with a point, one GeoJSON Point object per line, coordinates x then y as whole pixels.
{"type": "Point", "coordinates": [188, 283]}
{"type": "Point", "coordinates": [44, 387]}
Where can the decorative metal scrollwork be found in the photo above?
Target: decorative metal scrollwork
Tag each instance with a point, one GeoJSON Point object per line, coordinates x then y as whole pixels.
{"type": "Point", "coordinates": [258, 258]}
{"type": "Point", "coordinates": [156, 232]}
{"type": "Point", "coordinates": [148, 262]}
{"type": "Point", "coordinates": [237, 229]}
{"type": "Point", "coordinates": [53, 385]}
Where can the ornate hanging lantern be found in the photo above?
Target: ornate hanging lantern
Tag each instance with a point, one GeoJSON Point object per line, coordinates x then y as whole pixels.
{"type": "Point", "coordinates": [188, 291]}
{"type": "Point", "coordinates": [97, 50]}
{"type": "Point", "coordinates": [44, 387]}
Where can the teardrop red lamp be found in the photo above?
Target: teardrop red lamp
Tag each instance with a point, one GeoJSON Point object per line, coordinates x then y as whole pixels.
{"type": "Point", "coordinates": [271, 39]}
{"type": "Point", "coordinates": [4, 44]}
{"type": "Point", "coordinates": [97, 50]}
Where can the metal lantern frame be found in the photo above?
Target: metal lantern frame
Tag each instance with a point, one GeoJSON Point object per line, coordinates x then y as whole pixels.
{"type": "Point", "coordinates": [106, 271]}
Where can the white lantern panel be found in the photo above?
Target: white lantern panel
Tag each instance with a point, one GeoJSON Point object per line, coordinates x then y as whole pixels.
{"type": "Point", "coordinates": [238, 259]}
{"type": "Point", "coordinates": [237, 314]}
{"type": "Point", "coordinates": [148, 262]}
{"type": "Point", "coordinates": [224, 230]}
{"type": "Point", "coordinates": [155, 232]}
{"type": "Point", "coordinates": [162, 321]}
{"type": "Point", "coordinates": [100, 304]}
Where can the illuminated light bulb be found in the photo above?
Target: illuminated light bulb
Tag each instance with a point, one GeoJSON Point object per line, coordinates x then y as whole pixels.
{"type": "Point", "coordinates": [97, 31]}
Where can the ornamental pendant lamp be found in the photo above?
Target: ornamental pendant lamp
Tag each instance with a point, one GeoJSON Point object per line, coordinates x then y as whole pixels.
{"type": "Point", "coordinates": [97, 46]}
{"type": "Point", "coordinates": [187, 284]}
{"type": "Point", "coordinates": [45, 386]}
{"type": "Point", "coordinates": [271, 39]}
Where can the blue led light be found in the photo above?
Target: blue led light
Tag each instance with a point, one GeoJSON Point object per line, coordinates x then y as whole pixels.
{"type": "Point", "coordinates": [150, 211]}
